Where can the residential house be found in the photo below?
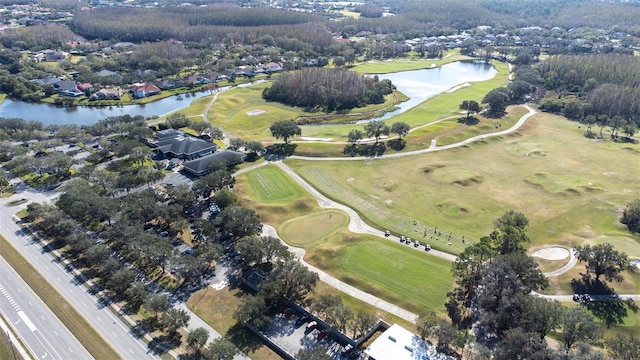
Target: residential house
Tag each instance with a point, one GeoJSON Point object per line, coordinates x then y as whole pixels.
{"type": "Point", "coordinates": [170, 84]}
{"type": "Point", "coordinates": [177, 144]}
{"type": "Point", "coordinates": [107, 94]}
{"type": "Point", "coordinates": [84, 87]}
{"type": "Point", "coordinates": [105, 73]}
{"type": "Point", "coordinates": [64, 85]}
{"type": "Point", "coordinates": [203, 165]}
{"type": "Point", "coordinates": [143, 90]}
{"type": "Point", "coordinates": [73, 92]}
{"type": "Point", "coordinates": [191, 80]}
{"type": "Point", "coordinates": [272, 67]}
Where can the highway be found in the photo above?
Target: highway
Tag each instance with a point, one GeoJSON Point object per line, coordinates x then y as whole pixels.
{"type": "Point", "coordinates": [38, 327]}
{"type": "Point", "coordinates": [112, 329]}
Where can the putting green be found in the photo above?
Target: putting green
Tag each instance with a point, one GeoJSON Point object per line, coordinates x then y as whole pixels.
{"type": "Point", "coordinates": [311, 229]}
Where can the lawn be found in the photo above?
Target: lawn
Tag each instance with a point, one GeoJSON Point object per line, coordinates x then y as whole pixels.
{"type": "Point", "coordinates": [571, 188]}
{"type": "Point", "coordinates": [273, 186]}
{"type": "Point", "coordinates": [406, 64]}
{"type": "Point", "coordinates": [329, 245]}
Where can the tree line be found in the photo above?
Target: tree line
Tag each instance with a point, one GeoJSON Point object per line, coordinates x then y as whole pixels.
{"type": "Point", "coordinates": [328, 89]}
{"type": "Point", "coordinates": [602, 90]}
{"type": "Point", "coordinates": [495, 279]}
{"type": "Point", "coordinates": [211, 23]}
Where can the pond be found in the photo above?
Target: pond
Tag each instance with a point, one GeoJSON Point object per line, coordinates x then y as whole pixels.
{"type": "Point", "coordinates": [420, 85]}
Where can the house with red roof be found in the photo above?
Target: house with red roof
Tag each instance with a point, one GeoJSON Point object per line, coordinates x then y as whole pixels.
{"type": "Point", "coordinates": [144, 90]}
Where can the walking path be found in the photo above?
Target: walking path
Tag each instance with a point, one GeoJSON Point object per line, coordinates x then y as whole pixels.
{"type": "Point", "coordinates": [357, 225]}
{"type": "Point", "coordinates": [433, 146]}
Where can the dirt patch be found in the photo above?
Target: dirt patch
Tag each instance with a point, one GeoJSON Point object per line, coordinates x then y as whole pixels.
{"type": "Point", "coordinates": [552, 253]}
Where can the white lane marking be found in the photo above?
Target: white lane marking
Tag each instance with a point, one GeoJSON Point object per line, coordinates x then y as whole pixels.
{"type": "Point", "coordinates": [27, 321]}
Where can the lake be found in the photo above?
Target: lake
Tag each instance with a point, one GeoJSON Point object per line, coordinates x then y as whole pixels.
{"type": "Point", "coordinates": [419, 85]}
{"type": "Point", "coordinates": [87, 115]}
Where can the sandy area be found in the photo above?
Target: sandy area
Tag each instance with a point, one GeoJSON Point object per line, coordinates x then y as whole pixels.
{"type": "Point", "coordinates": [552, 253]}
{"type": "Point", "coordinates": [255, 112]}
{"type": "Point", "coordinates": [455, 88]}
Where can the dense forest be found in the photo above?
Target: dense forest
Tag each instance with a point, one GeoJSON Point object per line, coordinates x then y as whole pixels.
{"type": "Point", "coordinates": [208, 24]}
{"type": "Point", "coordinates": [595, 89]}
{"type": "Point", "coordinates": [328, 89]}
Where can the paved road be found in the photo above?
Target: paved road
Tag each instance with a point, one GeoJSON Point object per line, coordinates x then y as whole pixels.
{"type": "Point", "coordinates": [113, 330]}
{"type": "Point", "coordinates": [39, 328]}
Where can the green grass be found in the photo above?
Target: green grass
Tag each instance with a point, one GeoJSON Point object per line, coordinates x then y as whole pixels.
{"type": "Point", "coordinates": [406, 64]}
{"type": "Point", "coordinates": [272, 186]}
{"type": "Point", "coordinates": [412, 280]}
{"type": "Point", "coordinates": [2, 97]}
{"type": "Point", "coordinates": [464, 190]}
{"type": "Point", "coordinates": [438, 107]}
{"type": "Point", "coordinates": [329, 245]}
{"type": "Point", "coordinates": [81, 329]}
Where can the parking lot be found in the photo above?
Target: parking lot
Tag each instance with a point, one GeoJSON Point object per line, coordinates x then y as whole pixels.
{"type": "Point", "coordinates": [292, 335]}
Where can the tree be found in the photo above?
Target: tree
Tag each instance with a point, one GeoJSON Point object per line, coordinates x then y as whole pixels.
{"type": "Point", "coordinates": [315, 353]}
{"type": "Point", "coordinates": [362, 323]}
{"type": "Point", "coordinates": [376, 128]}
{"type": "Point", "coordinates": [173, 319]}
{"type": "Point", "coordinates": [425, 323]}
{"type": "Point", "coordinates": [631, 216]}
{"type": "Point", "coordinates": [178, 120]}
{"type": "Point", "coordinates": [290, 279]}
{"type": "Point", "coordinates": [470, 106]}
{"type": "Point", "coordinates": [97, 254]}
{"type": "Point", "coordinates": [541, 316]}
{"type": "Point", "coordinates": [603, 259]}
{"type": "Point", "coordinates": [239, 221]}
{"type": "Point", "coordinates": [505, 286]}
{"type": "Point", "coordinates": [518, 89]}
{"type": "Point", "coordinates": [578, 327]}
{"type": "Point", "coordinates": [225, 198]}
{"type": "Point", "coordinates": [354, 136]}
{"type": "Point", "coordinates": [285, 129]}
{"type": "Point", "coordinates": [136, 294]}
{"type": "Point", "coordinates": [120, 281]}
{"type": "Point", "coordinates": [221, 349]}
{"type": "Point", "coordinates": [509, 233]}
{"type": "Point", "coordinates": [518, 344]}
{"type": "Point", "coordinates": [156, 303]}
{"type": "Point", "coordinates": [400, 128]}
{"type": "Point", "coordinates": [252, 311]}
{"type": "Point", "coordinates": [623, 347]}
{"type": "Point", "coordinates": [497, 101]}
{"type": "Point", "coordinates": [197, 338]}
{"type": "Point", "coordinates": [4, 184]}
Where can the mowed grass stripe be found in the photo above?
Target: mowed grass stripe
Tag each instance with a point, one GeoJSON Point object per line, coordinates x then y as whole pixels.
{"type": "Point", "coordinates": [410, 278]}
{"type": "Point", "coordinates": [374, 208]}
{"type": "Point", "coordinates": [81, 329]}
{"type": "Point", "coordinates": [271, 185]}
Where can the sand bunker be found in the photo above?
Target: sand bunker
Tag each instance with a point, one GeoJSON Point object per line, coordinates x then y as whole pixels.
{"type": "Point", "coordinates": [455, 88]}
{"type": "Point", "coordinates": [255, 112]}
{"type": "Point", "coordinates": [552, 253]}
